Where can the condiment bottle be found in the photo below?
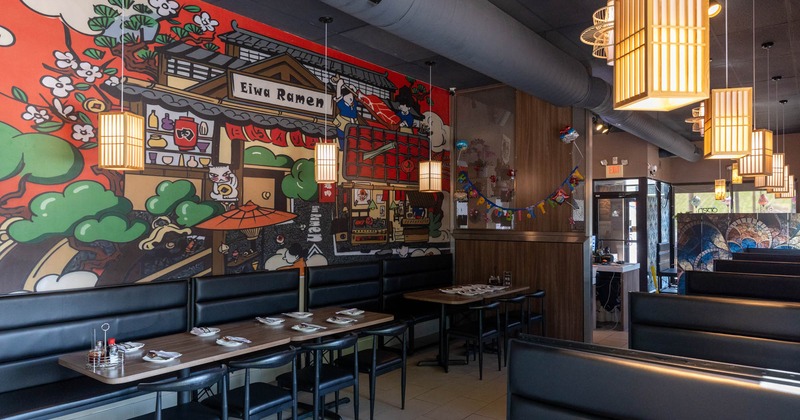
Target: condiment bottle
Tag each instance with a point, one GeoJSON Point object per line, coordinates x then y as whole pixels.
{"type": "Point", "coordinates": [112, 350]}
{"type": "Point", "coordinates": [96, 354]}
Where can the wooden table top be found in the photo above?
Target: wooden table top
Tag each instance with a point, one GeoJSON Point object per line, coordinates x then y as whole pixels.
{"type": "Point", "coordinates": [437, 296]}
{"type": "Point", "coordinates": [196, 351]}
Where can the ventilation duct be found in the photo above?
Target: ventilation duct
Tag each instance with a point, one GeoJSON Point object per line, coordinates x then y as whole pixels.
{"type": "Point", "coordinates": [477, 34]}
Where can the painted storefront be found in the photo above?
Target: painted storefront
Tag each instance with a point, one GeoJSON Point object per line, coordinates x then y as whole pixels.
{"type": "Point", "coordinates": [232, 111]}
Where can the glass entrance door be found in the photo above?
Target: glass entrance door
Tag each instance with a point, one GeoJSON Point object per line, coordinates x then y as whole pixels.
{"type": "Point", "coordinates": [615, 227]}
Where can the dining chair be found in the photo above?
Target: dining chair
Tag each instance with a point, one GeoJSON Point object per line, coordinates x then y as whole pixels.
{"type": "Point", "coordinates": [193, 409]}
{"type": "Point", "coordinates": [514, 319]}
{"type": "Point", "coordinates": [481, 324]}
{"type": "Point", "coordinates": [260, 399]}
{"type": "Point", "coordinates": [532, 315]}
{"type": "Point", "coordinates": [381, 359]}
{"type": "Point", "coordinates": [320, 378]}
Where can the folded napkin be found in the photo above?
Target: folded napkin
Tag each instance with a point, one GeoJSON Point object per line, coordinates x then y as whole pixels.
{"type": "Point", "coordinates": [237, 339]}
{"type": "Point", "coordinates": [164, 354]}
{"type": "Point", "coordinates": [319, 327]}
{"type": "Point", "coordinates": [202, 330]}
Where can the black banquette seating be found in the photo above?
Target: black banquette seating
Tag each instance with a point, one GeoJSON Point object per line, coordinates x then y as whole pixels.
{"type": "Point", "coordinates": [746, 285]}
{"type": "Point", "coordinates": [552, 379]}
{"type": "Point", "coordinates": [785, 255]}
{"type": "Point", "coordinates": [401, 275]}
{"type": "Point", "coordinates": [750, 332]}
{"type": "Point", "coordinates": [228, 298]}
{"type": "Point", "coordinates": [762, 267]}
{"type": "Point", "coordinates": [351, 285]}
{"type": "Point", "coordinates": [36, 329]}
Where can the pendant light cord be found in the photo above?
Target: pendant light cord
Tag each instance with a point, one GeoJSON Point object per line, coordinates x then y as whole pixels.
{"type": "Point", "coordinates": [430, 109]}
{"type": "Point", "coordinates": [327, 78]}
{"type": "Point", "coordinates": [726, 44]}
{"type": "Point", "coordinates": [122, 70]}
{"type": "Point", "coordinates": [754, 60]}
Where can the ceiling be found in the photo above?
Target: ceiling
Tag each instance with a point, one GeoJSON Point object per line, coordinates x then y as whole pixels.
{"type": "Point", "coordinates": [561, 22]}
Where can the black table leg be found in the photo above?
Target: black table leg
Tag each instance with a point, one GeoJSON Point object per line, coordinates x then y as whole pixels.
{"type": "Point", "coordinates": [442, 344]}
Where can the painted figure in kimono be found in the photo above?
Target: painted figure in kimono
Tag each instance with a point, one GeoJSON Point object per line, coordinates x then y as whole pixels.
{"type": "Point", "coordinates": [407, 109]}
{"type": "Point", "coordinates": [347, 107]}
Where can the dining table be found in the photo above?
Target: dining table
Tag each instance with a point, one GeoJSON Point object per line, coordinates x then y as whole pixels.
{"type": "Point", "coordinates": [196, 350]}
{"type": "Point", "coordinates": [446, 297]}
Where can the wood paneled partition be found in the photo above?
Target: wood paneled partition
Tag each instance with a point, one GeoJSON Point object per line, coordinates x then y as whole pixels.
{"type": "Point", "coordinates": [541, 252]}
{"type": "Point", "coordinates": [542, 161]}
{"type": "Point", "coordinates": [553, 262]}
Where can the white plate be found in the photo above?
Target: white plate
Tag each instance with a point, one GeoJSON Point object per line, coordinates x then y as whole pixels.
{"type": "Point", "coordinates": [350, 312]}
{"type": "Point", "coordinates": [211, 331]}
{"type": "Point", "coordinates": [298, 315]}
{"type": "Point", "coordinates": [270, 321]}
{"type": "Point", "coordinates": [147, 358]}
{"type": "Point", "coordinates": [449, 291]}
{"type": "Point", "coordinates": [228, 343]}
{"type": "Point", "coordinates": [466, 293]}
{"type": "Point", "coordinates": [301, 328]}
{"type": "Point", "coordinates": [130, 346]}
{"type": "Point", "coordinates": [340, 320]}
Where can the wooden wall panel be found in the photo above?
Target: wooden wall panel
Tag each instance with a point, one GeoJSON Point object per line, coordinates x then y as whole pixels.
{"type": "Point", "coordinates": [542, 161]}
{"type": "Point", "coordinates": [556, 267]}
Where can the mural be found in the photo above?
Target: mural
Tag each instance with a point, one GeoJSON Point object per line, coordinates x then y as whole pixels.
{"type": "Point", "coordinates": [232, 109]}
{"type": "Point", "coordinates": [705, 237]}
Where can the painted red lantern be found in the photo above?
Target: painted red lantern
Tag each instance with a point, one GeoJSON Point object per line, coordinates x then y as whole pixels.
{"type": "Point", "coordinates": [186, 133]}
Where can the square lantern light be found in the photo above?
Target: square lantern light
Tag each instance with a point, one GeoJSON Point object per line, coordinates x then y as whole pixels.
{"type": "Point", "coordinates": [784, 187]}
{"type": "Point", "coordinates": [120, 141]}
{"type": "Point", "coordinates": [661, 54]}
{"type": "Point", "coordinates": [736, 178]}
{"type": "Point", "coordinates": [777, 179]}
{"type": "Point", "coordinates": [791, 193]}
{"type": "Point", "coordinates": [719, 189]}
{"type": "Point", "coordinates": [325, 159]}
{"type": "Point", "coordinates": [759, 160]}
{"type": "Point", "coordinates": [430, 176]}
{"type": "Point", "coordinates": [729, 123]}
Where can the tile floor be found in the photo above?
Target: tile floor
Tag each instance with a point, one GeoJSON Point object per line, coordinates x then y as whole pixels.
{"type": "Point", "coordinates": [433, 394]}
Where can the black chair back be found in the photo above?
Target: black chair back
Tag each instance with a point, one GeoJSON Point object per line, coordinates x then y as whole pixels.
{"type": "Point", "coordinates": [193, 382]}
{"type": "Point", "coordinates": [333, 345]}
{"type": "Point", "coordinates": [269, 361]}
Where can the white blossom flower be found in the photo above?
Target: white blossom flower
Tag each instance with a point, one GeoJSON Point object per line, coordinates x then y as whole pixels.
{"type": "Point", "coordinates": [65, 60]}
{"type": "Point", "coordinates": [204, 21]}
{"type": "Point", "coordinates": [82, 132]}
{"type": "Point", "coordinates": [61, 87]}
{"type": "Point", "coordinates": [112, 81]}
{"type": "Point", "coordinates": [37, 115]}
{"type": "Point", "coordinates": [64, 111]}
{"type": "Point", "coordinates": [89, 72]}
{"type": "Point", "coordinates": [165, 7]}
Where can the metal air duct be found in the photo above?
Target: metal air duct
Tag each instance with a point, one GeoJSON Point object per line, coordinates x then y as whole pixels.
{"type": "Point", "coordinates": [477, 34]}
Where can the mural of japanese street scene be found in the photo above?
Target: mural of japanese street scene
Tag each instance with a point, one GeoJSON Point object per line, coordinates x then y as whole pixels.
{"type": "Point", "coordinates": [702, 238]}
{"type": "Point", "coordinates": [232, 111]}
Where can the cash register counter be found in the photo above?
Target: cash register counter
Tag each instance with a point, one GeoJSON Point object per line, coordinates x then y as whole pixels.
{"type": "Point", "coordinates": [629, 282]}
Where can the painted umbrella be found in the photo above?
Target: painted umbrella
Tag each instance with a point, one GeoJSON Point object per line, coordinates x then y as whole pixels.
{"type": "Point", "coordinates": [249, 218]}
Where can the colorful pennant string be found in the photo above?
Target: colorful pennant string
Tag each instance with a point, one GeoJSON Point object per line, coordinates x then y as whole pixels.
{"type": "Point", "coordinates": [557, 197]}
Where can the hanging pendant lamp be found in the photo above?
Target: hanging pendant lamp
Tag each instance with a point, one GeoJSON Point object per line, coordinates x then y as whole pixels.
{"type": "Point", "coordinates": [729, 124]}
{"type": "Point", "coordinates": [120, 134]}
{"type": "Point", "coordinates": [719, 189]}
{"type": "Point", "coordinates": [661, 56]}
{"type": "Point", "coordinates": [736, 178]}
{"type": "Point", "coordinates": [430, 171]}
{"type": "Point", "coordinates": [778, 177]}
{"type": "Point", "coordinates": [792, 192]}
{"type": "Point", "coordinates": [326, 154]}
{"type": "Point", "coordinates": [759, 161]}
